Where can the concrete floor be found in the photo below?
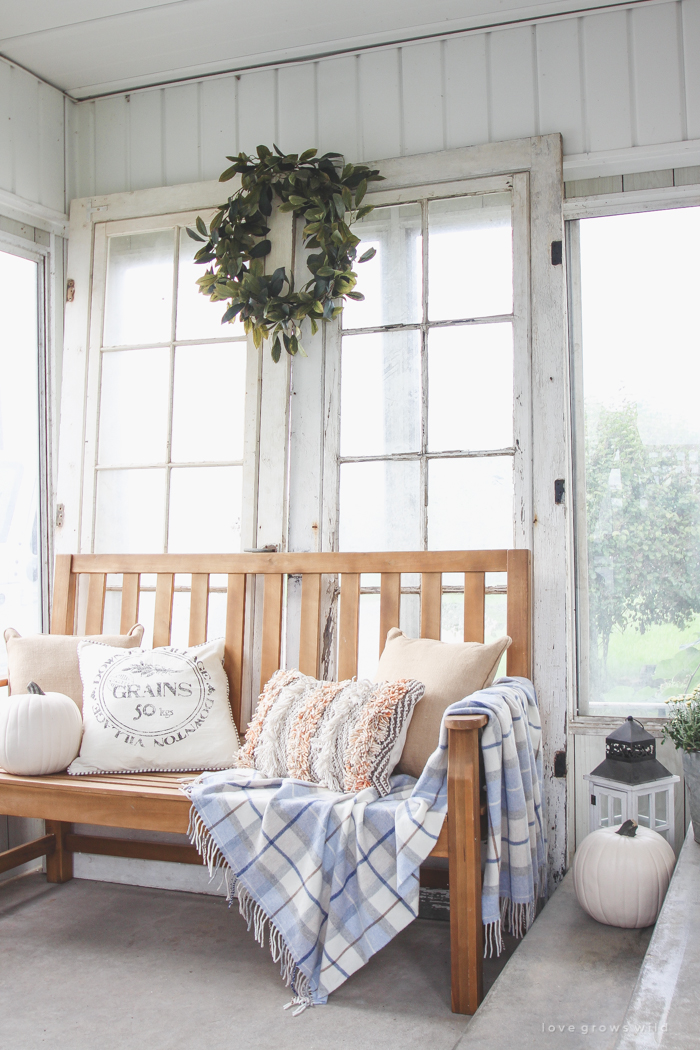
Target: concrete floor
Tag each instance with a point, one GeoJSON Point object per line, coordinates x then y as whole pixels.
{"type": "Point", "coordinates": [571, 974]}
{"type": "Point", "coordinates": [665, 1007]}
{"type": "Point", "coordinates": [91, 965]}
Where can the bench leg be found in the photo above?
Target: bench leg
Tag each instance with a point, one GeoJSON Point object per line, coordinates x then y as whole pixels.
{"type": "Point", "coordinates": [463, 828]}
{"type": "Point", "coordinates": [59, 864]}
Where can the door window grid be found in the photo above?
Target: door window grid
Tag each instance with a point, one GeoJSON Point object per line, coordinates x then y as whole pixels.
{"type": "Point", "coordinates": [428, 451]}
{"type": "Point", "coordinates": [426, 455]}
{"type": "Point", "coordinates": [168, 463]}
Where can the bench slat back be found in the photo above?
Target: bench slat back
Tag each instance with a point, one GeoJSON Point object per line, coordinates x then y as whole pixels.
{"type": "Point", "coordinates": [275, 570]}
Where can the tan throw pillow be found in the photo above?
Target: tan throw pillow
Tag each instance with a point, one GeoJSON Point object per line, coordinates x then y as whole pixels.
{"type": "Point", "coordinates": [51, 660]}
{"type": "Point", "coordinates": [448, 670]}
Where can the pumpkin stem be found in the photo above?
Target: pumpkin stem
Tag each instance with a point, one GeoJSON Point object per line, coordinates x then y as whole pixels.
{"type": "Point", "coordinates": [628, 829]}
{"type": "Point", "coordinates": [36, 689]}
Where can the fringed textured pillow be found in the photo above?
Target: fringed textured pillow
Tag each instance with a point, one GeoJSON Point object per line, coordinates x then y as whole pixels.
{"type": "Point", "coordinates": [343, 735]}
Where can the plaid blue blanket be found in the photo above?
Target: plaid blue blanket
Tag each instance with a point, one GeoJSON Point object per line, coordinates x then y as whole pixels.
{"type": "Point", "coordinates": [332, 878]}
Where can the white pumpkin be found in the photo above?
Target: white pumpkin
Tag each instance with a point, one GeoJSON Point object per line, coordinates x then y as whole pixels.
{"type": "Point", "coordinates": [39, 732]}
{"type": "Point", "coordinates": [621, 879]}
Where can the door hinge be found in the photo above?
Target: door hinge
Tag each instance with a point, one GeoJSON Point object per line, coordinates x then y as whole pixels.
{"type": "Point", "coordinates": [60, 513]}
{"type": "Point", "coordinates": [560, 763]}
{"type": "Point", "coordinates": [70, 290]}
{"type": "Point", "coordinates": [556, 253]}
{"type": "Point", "coordinates": [559, 490]}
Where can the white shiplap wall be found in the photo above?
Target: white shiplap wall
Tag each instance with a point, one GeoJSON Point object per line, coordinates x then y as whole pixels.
{"type": "Point", "coordinates": [32, 138]}
{"type": "Point", "coordinates": [623, 80]}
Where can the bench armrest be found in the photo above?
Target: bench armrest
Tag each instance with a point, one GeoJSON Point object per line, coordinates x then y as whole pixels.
{"type": "Point", "coordinates": [466, 721]}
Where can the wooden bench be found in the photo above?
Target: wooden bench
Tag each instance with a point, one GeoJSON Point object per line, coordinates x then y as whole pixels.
{"type": "Point", "coordinates": [153, 802]}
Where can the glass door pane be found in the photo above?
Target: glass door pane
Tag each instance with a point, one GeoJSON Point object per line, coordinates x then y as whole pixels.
{"type": "Point", "coordinates": [139, 296]}
{"type": "Point", "coordinates": [471, 256]}
{"type": "Point", "coordinates": [639, 452]}
{"type": "Point", "coordinates": [427, 373]}
{"type": "Point", "coordinates": [171, 402]}
{"type": "Point", "coordinates": [20, 523]}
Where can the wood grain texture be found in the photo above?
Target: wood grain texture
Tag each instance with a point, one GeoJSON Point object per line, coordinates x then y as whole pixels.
{"type": "Point", "coordinates": [199, 608]}
{"type": "Point", "coordinates": [430, 605]}
{"type": "Point", "coordinates": [59, 862]}
{"type": "Point", "coordinates": [157, 805]}
{"type": "Point", "coordinates": [389, 605]}
{"type": "Point", "coordinates": [233, 646]}
{"type": "Point", "coordinates": [324, 562]}
{"type": "Point", "coordinates": [130, 601]}
{"type": "Point", "coordinates": [63, 609]}
{"type": "Point", "coordinates": [519, 655]}
{"type": "Point", "coordinates": [348, 625]}
{"type": "Point", "coordinates": [272, 627]}
{"type": "Point", "coordinates": [441, 848]}
{"type": "Point", "coordinates": [95, 603]}
{"type": "Point", "coordinates": [163, 616]}
{"type": "Point", "coordinates": [474, 606]}
{"type": "Point", "coordinates": [310, 626]}
{"type": "Point", "coordinates": [464, 846]}
{"type": "Point", "coordinates": [111, 847]}
{"type": "Point", "coordinates": [12, 858]}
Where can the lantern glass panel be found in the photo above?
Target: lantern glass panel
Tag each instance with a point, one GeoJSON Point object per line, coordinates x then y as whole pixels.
{"type": "Point", "coordinates": [644, 810]}
{"type": "Point", "coordinates": [610, 810]}
{"type": "Point", "coordinates": [661, 808]}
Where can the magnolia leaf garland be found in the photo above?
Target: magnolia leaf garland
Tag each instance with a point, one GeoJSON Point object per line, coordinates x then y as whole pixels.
{"type": "Point", "coordinates": [329, 196]}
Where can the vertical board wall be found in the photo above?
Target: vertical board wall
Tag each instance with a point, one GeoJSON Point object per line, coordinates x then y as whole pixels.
{"type": "Point", "coordinates": [32, 138]}
{"type": "Point", "coordinates": [606, 81]}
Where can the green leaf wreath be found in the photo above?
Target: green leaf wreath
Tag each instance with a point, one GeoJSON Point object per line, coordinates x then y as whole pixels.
{"type": "Point", "coordinates": [329, 196]}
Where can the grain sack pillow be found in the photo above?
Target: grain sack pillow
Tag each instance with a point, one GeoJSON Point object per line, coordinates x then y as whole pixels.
{"type": "Point", "coordinates": [449, 670]}
{"type": "Point", "coordinates": [51, 660]}
{"type": "Point", "coordinates": [346, 736]}
{"type": "Point", "coordinates": [155, 709]}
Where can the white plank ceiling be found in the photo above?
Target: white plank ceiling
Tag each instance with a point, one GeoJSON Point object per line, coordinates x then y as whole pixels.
{"type": "Point", "coordinates": [93, 47]}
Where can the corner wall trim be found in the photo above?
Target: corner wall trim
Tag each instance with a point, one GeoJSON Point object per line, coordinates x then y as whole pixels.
{"type": "Point", "coordinates": [38, 215]}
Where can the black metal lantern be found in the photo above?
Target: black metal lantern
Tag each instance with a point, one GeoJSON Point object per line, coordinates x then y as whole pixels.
{"type": "Point", "coordinates": [631, 783]}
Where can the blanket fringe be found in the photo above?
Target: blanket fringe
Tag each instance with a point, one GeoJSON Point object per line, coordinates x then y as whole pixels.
{"type": "Point", "coordinates": [199, 836]}
{"type": "Point", "coordinates": [493, 941]}
{"type": "Point", "coordinates": [253, 914]}
{"type": "Point", "coordinates": [517, 918]}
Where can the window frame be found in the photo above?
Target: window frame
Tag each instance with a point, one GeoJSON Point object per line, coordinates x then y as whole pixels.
{"type": "Point", "coordinates": [575, 209]}
{"type": "Point", "coordinates": [44, 257]}
{"type": "Point", "coordinates": [141, 210]}
{"type": "Point", "coordinates": [517, 184]}
{"type": "Point", "coordinates": [103, 231]}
